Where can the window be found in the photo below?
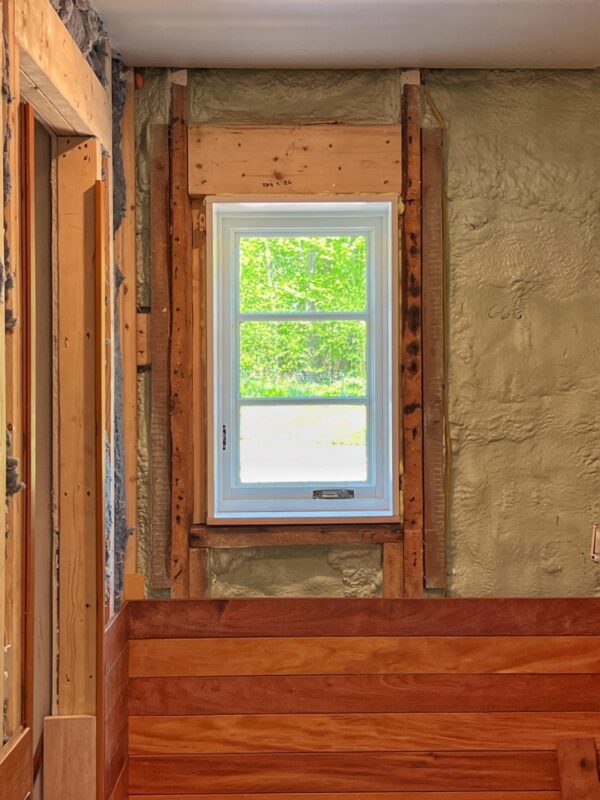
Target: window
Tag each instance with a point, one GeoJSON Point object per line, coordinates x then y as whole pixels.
{"type": "Point", "coordinates": [301, 369]}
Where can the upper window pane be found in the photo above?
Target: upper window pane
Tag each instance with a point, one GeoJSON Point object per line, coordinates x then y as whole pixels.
{"type": "Point", "coordinates": [303, 273]}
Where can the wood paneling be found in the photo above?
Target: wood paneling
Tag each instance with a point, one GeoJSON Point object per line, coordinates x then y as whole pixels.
{"type": "Point", "coordinates": [332, 733]}
{"type": "Point", "coordinates": [344, 772]}
{"type": "Point", "coordinates": [243, 705]}
{"type": "Point", "coordinates": [333, 655]}
{"type": "Point", "coordinates": [302, 694]}
{"type": "Point", "coordinates": [355, 617]}
{"type": "Point", "coordinates": [314, 159]}
{"type": "Point", "coordinates": [115, 728]}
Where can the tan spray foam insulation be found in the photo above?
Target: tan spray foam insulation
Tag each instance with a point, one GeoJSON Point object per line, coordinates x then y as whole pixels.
{"type": "Point", "coordinates": [523, 190]}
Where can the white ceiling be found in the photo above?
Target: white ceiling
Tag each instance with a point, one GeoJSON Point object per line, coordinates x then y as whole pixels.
{"type": "Point", "coordinates": [355, 33]}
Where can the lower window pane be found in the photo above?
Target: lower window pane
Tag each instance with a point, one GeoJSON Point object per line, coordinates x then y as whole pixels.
{"type": "Point", "coordinates": [303, 444]}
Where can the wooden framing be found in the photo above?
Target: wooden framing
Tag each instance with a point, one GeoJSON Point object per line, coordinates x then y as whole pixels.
{"type": "Point", "coordinates": [57, 78]}
{"type": "Point", "coordinates": [159, 355]}
{"type": "Point", "coordinates": [3, 393]}
{"type": "Point", "coordinates": [78, 169]}
{"type": "Point", "coordinates": [16, 773]}
{"type": "Point", "coordinates": [433, 361]}
{"type": "Point", "coordinates": [412, 345]}
{"type": "Point", "coordinates": [312, 159]}
{"type": "Point", "coordinates": [182, 444]}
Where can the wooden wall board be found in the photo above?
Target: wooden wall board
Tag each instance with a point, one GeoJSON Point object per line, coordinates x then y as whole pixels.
{"type": "Point", "coordinates": [433, 360]}
{"type": "Point", "coordinates": [160, 459]}
{"type": "Point", "coordinates": [55, 66]}
{"type": "Point", "coordinates": [16, 762]}
{"type": "Point", "coordinates": [412, 345]}
{"type": "Point", "coordinates": [302, 694]}
{"type": "Point", "coordinates": [78, 169]}
{"type": "Point", "coordinates": [115, 715]}
{"type": "Point", "coordinates": [142, 356]}
{"type": "Point", "coordinates": [3, 398]}
{"type": "Point", "coordinates": [67, 777]}
{"type": "Point", "coordinates": [435, 795]}
{"type": "Point", "coordinates": [358, 733]}
{"type": "Point", "coordinates": [578, 768]}
{"type": "Point", "coordinates": [180, 364]}
{"type": "Point", "coordinates": [516, 617]}
{"type": "Point", "coordinates": [389, 655]}
{"type": "Point", "coordinates": [344, 772]}
{"type": "Point", "coordinates": [314, 159]}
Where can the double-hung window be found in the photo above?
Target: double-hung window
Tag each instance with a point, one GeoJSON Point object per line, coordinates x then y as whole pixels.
{"type": "Point", "coordinates": [302, 361]}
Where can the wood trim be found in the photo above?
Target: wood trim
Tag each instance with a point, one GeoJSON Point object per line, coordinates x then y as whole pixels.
{"type": "Point", "coordinates": [309, 159]}
{"type": "Point", "coordinates": [365, 617]}
{"type": "Point", "coordinates": [70, 758]}
{"type": "Point", "coordinates": [78, 169]}
{"type": "Point", "coordinates": [434, 488]}
{"type": "Point", "coordinates": [58, 75]}
{"type": "Point", "coordinates": [268, 535]}
{"type": "Point", "coordinates": [160, 490]}
{"type": "Point", "coordinates": [578, 769]}
{"type": "Point", "coordinates": [412, 387]}
{"type": "Point", "coordinates": [181, 388]}
{"type": "Point", "coordinates": [16, 767]}
{"type": "Point", "coordinates": [28, 417]}
{"type": "Point", "coordinates": [483, 795]}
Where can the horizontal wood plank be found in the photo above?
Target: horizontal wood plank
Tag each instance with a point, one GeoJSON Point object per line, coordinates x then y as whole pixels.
{"type": "Point", "coordinates": [300, 694]}
{"type": "Point", "coordinates": [154, 619]}
{"type": "Point", "coordinates": [315, 159]}
{"type": "Point", "coordinates": [16, 767]}
{"type": "Point", "coordinates": [344, 772]}
{"type": "Point", "coordinates": [333, 733]}
{"type": "Point", "coordinates": [440, 795]}
{"type": "Point", "coordinates": [578, 769]}
{"type": "Point", "coordinates": [338, 655]}
{"type": "Point", "coordinates": [285, 535]}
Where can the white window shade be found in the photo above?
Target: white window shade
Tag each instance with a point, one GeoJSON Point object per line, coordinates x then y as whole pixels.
{"type": "Point", "coordinates": [301, 362]}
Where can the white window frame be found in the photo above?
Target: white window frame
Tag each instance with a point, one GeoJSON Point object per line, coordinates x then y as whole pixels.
{"type": "Point", "coordinates": [376, 499]}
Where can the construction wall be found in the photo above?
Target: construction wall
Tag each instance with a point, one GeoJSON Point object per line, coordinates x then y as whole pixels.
{"type": "Point", "coordinates": [522, 252]}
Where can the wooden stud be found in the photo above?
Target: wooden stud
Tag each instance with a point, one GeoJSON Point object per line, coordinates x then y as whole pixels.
{"type": "Point", "coordinates": [312, 159]}
{"type": "Point", "coordinates": [3, 393]}
{"type": "Point", "coordinates": [199, 359]}
{"type": "Point", "coordinates": [70, 758]}
{"type": "Point", "coordinates": [578, 769]}
{"type": "Point", "coordinates": [198, 573]}
{"type": "Point", "coordinates": [412, 388]}
{"type": "Point", "coordinates": [142, 340]}
{"type": "Point", "coordinates": [159, 354]}
{"type": "Point", "coordinates": [126, 261]}
{"type": "Point", "coordinates": [393, 572]}
{"type": "Point", "coordinates": [78, 169]}
{"type": "Point", "coordinates": [182, 445]}
{"type": "Point", "coordinates": [433, 361]}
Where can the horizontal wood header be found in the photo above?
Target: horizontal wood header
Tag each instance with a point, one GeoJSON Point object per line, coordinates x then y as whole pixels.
{"type": "Point", "coordinates": [313, 159]}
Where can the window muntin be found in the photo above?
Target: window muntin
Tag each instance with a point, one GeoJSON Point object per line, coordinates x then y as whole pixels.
{"type": "Point", "coordinates": [302, 359]}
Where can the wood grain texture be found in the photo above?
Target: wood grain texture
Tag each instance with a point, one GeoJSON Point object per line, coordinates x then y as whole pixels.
{"type": "Point", "coordinates": [67, 777]}
{"type": "Point", "coordinates": [412, 344]}
{"type": "Point", "coordinates": [315, 159]}
{"type": "Point", "coordinates": [578, 768]}
{"type": "Point", "coordinates": [16, 772]}
{"type": "Point", "coordinates": [299, 694]}
{"type": "Point", "coordinates": [272, 535]}
{"type": "Point", "coordinates": [344, 772]}
{"type": "Point", "coordinates": [3, 399]}
{"type": "Point", "coordinates": [434, 491]}
{"type": "Point", "coordinates": [438, 795]}
{"type": "Point", "coordinates": [78, 168]}
{"type": "Point", "coordinates": [357, 617]}
{"type": "Point", "coordinates": [54, 64]}
{"type": "Point", "coordinates": [115, 695]}
{"type": "Point", "coordinates": [317, 655]}
{"type": "Point", "coordinates": [334, 733]}
{"type": "Point", "coordinates": [180, 365]}
{"type": "Point", "coordinates": [160, 492]}
{"type": "Point", "coordinates": [199, 365]}
{"type": "Point", "coordinates": [121, 790]}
